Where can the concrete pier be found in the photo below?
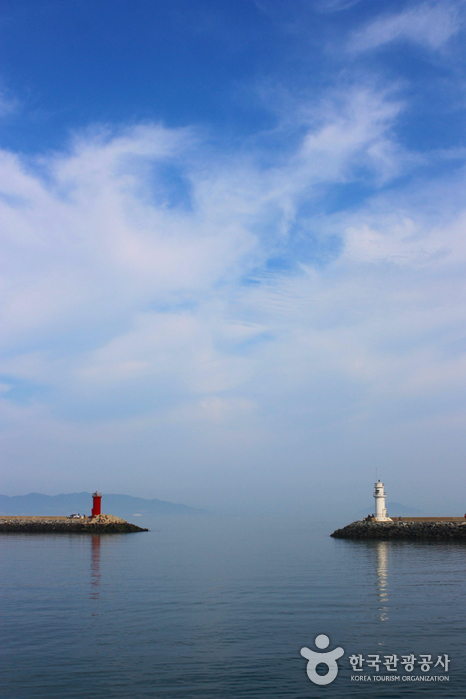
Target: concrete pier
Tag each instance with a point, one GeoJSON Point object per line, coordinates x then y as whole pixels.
{"type": "Point", "coordinates": [101, 524]}
{"type": "Point", "coordinates": [439, 528]}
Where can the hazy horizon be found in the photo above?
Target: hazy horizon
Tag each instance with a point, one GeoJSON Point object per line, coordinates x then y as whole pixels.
{"type": "Point", "coordinates": [232, 251]}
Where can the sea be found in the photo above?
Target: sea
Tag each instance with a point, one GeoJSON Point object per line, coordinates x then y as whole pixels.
{"type": "Point", "coordinates": [210, 607]}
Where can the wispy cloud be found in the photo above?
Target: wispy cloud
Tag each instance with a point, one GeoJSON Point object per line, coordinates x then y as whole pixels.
{"type": "Point", "coordinates": [8, 104]}
{"type": "Point", "coordinates": [336, 5]}
{"type": "Point", "coordinates": [102, 228]}
{"type": "Point", "coordinates": [138, 292]}
{"type": "Point", "coordinates": [429, 24]}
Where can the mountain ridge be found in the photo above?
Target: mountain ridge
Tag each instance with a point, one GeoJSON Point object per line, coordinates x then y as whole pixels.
{"type": "Point", "coordinates": [67, 503]}
{"type": "Point", "coordinates": [394, 509]}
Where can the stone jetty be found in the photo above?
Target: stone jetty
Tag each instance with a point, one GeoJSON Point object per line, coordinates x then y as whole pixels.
{"type": "Point", "coordinates": [101, 524]}
{"type": "Point", "coordinates": [439, 529]}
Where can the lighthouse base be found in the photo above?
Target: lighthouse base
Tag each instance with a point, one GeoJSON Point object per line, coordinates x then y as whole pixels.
{"type": "Point", "coordinates": [382, 519]}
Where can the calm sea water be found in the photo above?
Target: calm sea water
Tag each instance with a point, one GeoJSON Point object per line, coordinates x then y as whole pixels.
{"type": "Point", "coordinates": [203, 607]}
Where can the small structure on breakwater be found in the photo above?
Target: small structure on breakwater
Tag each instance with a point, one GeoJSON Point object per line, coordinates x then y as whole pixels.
{"type": "Point", "coordinates": [96, 504]}
{"type": "Point", "coordinates": [380, 509]}
{"type": "Point", "coordinates": [380, 526]}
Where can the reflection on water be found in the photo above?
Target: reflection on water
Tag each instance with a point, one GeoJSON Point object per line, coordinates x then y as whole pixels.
{"type": "Point", "coordinates": [95, 565]}
{"type": "Point", "coordinates": [204, 608]}
{"type": "Point", "coordinates": [381, 561]}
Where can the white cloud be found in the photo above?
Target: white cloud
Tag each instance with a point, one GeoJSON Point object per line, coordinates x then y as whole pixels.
{"type": "Point", "coordinates": [8, 105]}
{"type": "Point", "coordinates": [155, 327]}
{"type": "Point", "coordinates": [430, 24]}
{"type": "Point", "coordinates": [336, 5]}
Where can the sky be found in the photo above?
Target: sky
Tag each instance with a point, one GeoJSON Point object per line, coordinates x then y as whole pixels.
{"type": "Point", "coordinates": [232, 268]}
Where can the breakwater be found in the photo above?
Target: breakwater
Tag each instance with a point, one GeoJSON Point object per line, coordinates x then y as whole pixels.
{"type": "Point", "coordinates": [102, 524]}
{"type": "Point", "coordinates": [437, 530]}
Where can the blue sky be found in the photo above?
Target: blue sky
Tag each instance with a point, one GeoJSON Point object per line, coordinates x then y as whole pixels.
{"type": "Point", "coordinates": [233, 250]}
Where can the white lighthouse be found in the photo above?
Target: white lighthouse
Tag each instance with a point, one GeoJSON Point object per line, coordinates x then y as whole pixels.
{"type": "Point", "coordinates": [380, 509]}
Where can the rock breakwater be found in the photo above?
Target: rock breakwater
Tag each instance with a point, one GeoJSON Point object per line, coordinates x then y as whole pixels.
{"type": "Point", "coordinates": [441, 531]}
{"type": "Point", "coordinates": [102, 524]}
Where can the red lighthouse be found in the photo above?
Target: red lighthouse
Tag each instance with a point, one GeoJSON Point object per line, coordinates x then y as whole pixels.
{"type": "Point", "coordinates": [96, 502]}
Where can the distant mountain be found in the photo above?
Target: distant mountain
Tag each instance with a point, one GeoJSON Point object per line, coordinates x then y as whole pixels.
{"type": "Point", "coordinates": [118, 505]}
{"type": "Point", "coordinates": [394, 509]}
